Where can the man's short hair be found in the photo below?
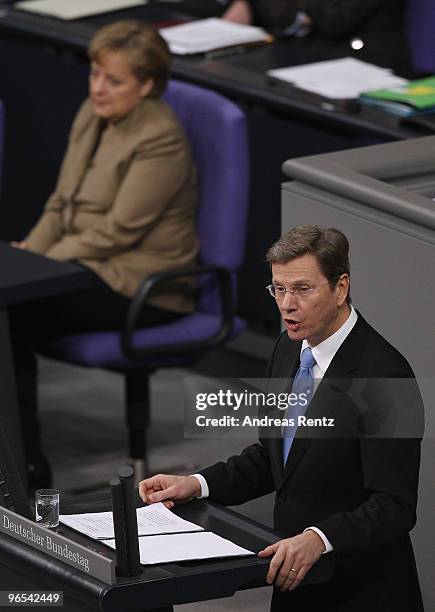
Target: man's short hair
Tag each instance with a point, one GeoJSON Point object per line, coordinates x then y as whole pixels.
{"type": "Point", "coordinates": [145, 50]}
{"type": "Point", "coordinates": [329, 246]}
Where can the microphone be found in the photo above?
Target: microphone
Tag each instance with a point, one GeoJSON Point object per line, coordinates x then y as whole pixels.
{"type": "Point", "coordinates": [125, 523]}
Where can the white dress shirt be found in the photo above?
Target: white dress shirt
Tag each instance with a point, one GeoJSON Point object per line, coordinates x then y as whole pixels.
{"type": "Point", "coordinates": [323, 353]}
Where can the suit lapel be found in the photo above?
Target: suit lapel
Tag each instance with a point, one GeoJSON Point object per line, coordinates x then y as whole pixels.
{"type": "Point", "coordinates": [329, 395]}
{"type": "Point", "coordinates": [81, 153]}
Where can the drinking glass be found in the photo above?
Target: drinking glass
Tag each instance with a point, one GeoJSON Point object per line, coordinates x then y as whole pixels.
{"type": "Point", "coordinates": [47, 507]}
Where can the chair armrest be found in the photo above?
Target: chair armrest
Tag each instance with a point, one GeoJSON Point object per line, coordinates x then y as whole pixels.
{"type": "Point", "coordinates": [224, 285]}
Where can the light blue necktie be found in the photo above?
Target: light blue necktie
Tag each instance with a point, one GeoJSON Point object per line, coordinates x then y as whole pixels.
{"type": "Point", "coordinates": [303, 382]}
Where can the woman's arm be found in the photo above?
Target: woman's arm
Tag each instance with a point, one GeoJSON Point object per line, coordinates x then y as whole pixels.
{"type": "Point", "coordinates": [49, 228]}
{"type": "Point", "coordinates": [334, 19]}
{"type": "Point", "coordinates": [337, 19]}
{"type": "Point", "coordinates": [157, 172]}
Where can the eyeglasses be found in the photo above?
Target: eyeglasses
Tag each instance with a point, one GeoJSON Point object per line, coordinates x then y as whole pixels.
{"type": "Point", "coordinates": [303, 291]}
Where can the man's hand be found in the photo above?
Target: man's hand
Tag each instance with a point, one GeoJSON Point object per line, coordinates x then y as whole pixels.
{"type": "Point", "coordinates": [239, 11]}
{"type": "Point", "coordinates": [169, 489]}
{"type": "Point", "coordinates": [292, 559]}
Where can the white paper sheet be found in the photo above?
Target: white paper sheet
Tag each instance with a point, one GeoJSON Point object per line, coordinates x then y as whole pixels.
{"type": "Point", "coordinates": [209, 34]}
{"type": "Point", "coordinates": [339, 79]}
{"type": "Point", "coordinates": [75, 9]}
{"type": "Point", "coordinates": [185, 547]}
{"type": "Point", "coordinates": [154, 519]}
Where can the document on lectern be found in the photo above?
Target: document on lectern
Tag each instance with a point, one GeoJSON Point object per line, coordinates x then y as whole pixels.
{"type": "Point", "coordinates": [171, 548]}
{"type": "Point", "coordinates": [151, 520]}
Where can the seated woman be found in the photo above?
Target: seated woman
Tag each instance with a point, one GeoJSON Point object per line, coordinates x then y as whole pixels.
{"type": "Point", "coordinates": [370, 30]}
{"type": "Point", "coordinates": [124, 207]}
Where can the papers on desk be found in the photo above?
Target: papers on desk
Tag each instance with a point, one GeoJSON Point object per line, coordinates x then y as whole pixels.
{"type": "Point", "coordinates": [339, 79]}
{"type": "Point", "coordinates": [164, 537]}
{"type": "Point", "coordinates": [210, 34]}
{"type": "Point", "coordinates": [75, 9]}
{"type": "Point", "coordinates": [151, 520]}
{"type": "Point", "coordinates": [185, 547]}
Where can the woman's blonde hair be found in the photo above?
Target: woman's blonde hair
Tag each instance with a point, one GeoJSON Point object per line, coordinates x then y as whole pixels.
{"type": "Point", "coordinates": [145, 50]}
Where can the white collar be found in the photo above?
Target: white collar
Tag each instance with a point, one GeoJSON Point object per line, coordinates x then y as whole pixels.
{"type": "Point", "coordinates": [324, 352]}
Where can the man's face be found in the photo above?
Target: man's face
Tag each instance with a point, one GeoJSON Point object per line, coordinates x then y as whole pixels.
{"type": "Point", "coordinates": [315, 311]}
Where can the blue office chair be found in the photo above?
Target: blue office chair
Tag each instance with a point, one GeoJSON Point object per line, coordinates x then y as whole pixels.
{"type": "Point", "coordinates": [421, 34]}
{"type": "Point", "coordinates": [217, 132]}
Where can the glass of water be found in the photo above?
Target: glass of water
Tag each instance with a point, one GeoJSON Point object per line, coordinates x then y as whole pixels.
{"type": "Point", "coordinates": [47, 507]}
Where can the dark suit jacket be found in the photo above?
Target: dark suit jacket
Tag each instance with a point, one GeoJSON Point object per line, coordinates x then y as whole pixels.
{"type": "Point", "coordinates": [335, 23]}
{"type": "Point", "coordinates": [360, 490]}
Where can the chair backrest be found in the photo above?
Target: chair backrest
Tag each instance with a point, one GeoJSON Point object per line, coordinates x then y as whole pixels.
{"type": "Point", "coordinates": [421, 34]}
{"type": "Point", "coordinates": [217, 132]}
{"type": "Point", "coordinates": [2, 122]}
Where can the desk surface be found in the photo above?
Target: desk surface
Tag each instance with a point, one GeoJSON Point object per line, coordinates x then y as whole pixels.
{"type": "Point", "coordinates": [239, 76]}
{"type": "Point", "coordinates": [25, 276]}
{"type": "Point", "coordinates": [167, 584]}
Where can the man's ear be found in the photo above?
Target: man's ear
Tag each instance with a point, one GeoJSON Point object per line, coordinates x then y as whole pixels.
{"type": "Point", "coordinates": [342, 287]}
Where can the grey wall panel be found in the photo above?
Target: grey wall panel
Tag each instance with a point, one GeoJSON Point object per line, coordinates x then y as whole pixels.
{"type": "Point", "coordinates": [392, 272]}
{"type": "Point", "coordinates": [385, 161]}
{"type": "Point", "coordinates": [369, 191]}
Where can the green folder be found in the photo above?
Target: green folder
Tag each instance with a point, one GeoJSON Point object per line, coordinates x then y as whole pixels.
{"type": "Point", "coordinates": [420, 95]}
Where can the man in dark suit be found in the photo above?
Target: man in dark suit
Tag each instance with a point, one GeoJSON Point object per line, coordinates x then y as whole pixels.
{"type": "Point", "coordinates": [371, 30]}
{"type": "Point", "coordinates": [350, 492]}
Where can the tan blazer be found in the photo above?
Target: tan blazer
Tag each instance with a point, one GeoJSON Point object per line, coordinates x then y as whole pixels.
{"type": "Point", "coordinates": [125, 201]}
